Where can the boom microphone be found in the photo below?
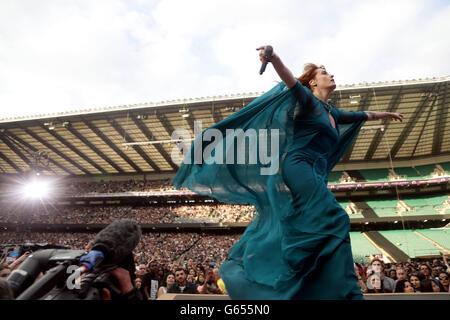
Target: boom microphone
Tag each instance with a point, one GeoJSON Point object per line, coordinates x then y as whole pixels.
{"type": "Point", "coordinates": [116, 242]}
{"type": "Point", "coordinates": [267, 53]}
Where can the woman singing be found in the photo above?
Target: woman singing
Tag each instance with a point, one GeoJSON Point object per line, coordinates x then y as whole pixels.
{"type": "Point", "coordinates": [298, 246]}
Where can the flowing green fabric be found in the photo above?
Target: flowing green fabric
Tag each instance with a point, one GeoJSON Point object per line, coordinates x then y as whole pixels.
{"type": "Point", "coordinates": [299, 239]}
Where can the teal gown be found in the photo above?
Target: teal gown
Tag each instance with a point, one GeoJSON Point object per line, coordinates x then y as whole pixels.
{"type": "Point", "coordinates": [298, 244]}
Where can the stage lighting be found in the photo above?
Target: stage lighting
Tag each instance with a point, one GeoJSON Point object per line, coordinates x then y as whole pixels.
{"type": "Point", "coordinates": [37, 189]}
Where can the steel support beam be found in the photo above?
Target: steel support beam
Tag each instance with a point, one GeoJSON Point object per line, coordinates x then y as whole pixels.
{"type": "Point", "coordinates": [11, 145]}
{"type": "Point", "coordinates": [12, 164]}
{"type": "Point", "coordinates": [46, 144]}
{"type": "Point", "coordinates": [412, 122]}
{"type": "Point", "coordinates": [138, 149]}
{"type": "Point", "coordinates": [393, 105]}
{"type": "Point", "coordinates": [442, 120]}
{"type": "Point", "coordinates": [150, 137]}
{"type": "Point", "coordinates": [95, 149]}
{"type": "Point", "coordinates": [74, 149]}
{"type": "Point", "coordinates": [365, 101]}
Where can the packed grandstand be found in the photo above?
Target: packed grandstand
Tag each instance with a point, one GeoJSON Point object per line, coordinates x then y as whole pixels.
{"type": "Point", "coordinates": [106, 164]}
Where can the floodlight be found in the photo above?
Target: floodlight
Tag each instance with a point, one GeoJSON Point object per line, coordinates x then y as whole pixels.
{"type": "Point", "coordinates": [37, 189]}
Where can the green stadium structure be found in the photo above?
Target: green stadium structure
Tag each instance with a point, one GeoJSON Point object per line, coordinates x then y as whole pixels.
{"type": "Point", "coordinates": [417, 206]}
{"type": "Point", "coordinates": [362, 248]}
{"type": "Point", "coordinates": [400, 173]}
{"type": "Point", "coordinates": [410, 243]}
{"type": "Point", "coordinates": [440, 236]}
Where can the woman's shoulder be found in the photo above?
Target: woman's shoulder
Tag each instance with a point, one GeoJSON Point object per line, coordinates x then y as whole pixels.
{"type": "Point", "coordinates": [163, 289]}
{"type": "Point", "coordinates": [301, 92]}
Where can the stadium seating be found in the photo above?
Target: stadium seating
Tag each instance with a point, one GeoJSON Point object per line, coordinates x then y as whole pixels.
{"type": "Point", "coordinates": [353, 215]}
{"type": "Point", "coordinates": [406, 173]}
{"type": "Point", "coordinates": [409, 172]}
{"type": "Point", "coordinates": [410, 243]}
{"type": "Point", "coordinates": [440, 236]}
{"type": "Point", "coordinates": [446, 166]}
{"type": "Point", "coordinates": [384, 208]}
{"type": "Point", "coordinates": [361, 247]}
{"type": "Point", "coordinates": [334, 176]}
{"type": "Point", "coordinates": [425, 171]}
{"type": "Point", "coordinates": [430, 205]}
{"type": "Point", "coordinates": [375, 175]}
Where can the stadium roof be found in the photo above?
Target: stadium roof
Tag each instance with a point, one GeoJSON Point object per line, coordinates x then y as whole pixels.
{"type": "Point", "coordinates": [136, 139]}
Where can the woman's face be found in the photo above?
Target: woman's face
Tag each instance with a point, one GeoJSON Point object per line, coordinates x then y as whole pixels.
{"type": "Point", "coordinates": [170, 280]}
{"type": "Point", "coordinates": [435, 287]}
{"type": "Point", "coordinates": [323, 80]}
{"type": "Point", "coordinates": [415, 282]}
{"type": "Point", "coordinates": [443, 279]}
{"type": "Point", "coordinates": [408, 287]}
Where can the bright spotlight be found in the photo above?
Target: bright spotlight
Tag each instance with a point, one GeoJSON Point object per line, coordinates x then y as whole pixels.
{"type": "Point", "coordinates": [36, 189]}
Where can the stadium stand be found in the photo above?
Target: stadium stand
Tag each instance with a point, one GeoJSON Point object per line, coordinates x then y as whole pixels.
{"type": "Point", "coordinates": [410, 243]}
{"type": "Point", "coordinates": [352, 209]}
{"type": "Point", "coordinates": [375, 175]}
{"type": "Point", "coordinates": [440, 236]}
{"type": "Point", "coordinates": [430, 205]}
{"type": "Point", "coordinates": [110, 178]}
{"type": "Point", "coordinates": [383, 208]}
{"type": "Point", "coordinates": [362, 249]}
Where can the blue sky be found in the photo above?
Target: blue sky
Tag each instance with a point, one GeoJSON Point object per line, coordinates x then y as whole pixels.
{"type": "Point", "coordinates": [58, 56]}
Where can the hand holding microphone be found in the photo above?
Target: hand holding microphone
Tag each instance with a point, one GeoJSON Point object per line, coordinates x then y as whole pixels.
{"type": "Point", "coordinates": [265, 55]}
{"type": "Point", "coordinates": [90, 260]}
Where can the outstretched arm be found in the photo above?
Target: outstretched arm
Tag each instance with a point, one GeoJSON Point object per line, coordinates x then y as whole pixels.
{"type": "Point", "coordinates": [283, 72]}
{"type": "Point", "coordinates": [374, 115]}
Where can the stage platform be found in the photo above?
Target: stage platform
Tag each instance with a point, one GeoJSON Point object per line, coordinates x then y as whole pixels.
{"type": "Point", "coordinates": [380, 296]}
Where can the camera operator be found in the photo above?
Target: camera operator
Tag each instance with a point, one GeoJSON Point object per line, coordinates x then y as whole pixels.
{"type": "Point", "coordinates": [107, 270]}
{"type": "Point", "coordinates": [128, 290]}
{"type": "Point", "coordinates": [111, 251]}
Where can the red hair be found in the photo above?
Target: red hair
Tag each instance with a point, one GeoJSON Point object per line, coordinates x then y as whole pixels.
{"type": "Point", "coordinates": [309, 72]}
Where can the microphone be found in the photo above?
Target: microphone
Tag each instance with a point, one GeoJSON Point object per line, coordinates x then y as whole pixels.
{"type": "Point", "coordinates": [267, 53]}
{"type": "Point", "coordinates": [113, 244]}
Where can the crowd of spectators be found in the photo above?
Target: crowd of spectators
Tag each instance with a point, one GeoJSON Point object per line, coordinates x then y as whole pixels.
{"type": "Point", "coordinates": [156, 256]}
{"type": "Point", "coordinates": [131, 185]}
{"type": "Point", "coordinates": [407, 277]}
{"type": "Point", "coordinates": [190, 262]}
{"type": "Point", "coordinates": [51, 214]}
{"type": "Point", "coordinates": [167, 248]}
{"type": "Point", "coordinates": [79, 188]}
